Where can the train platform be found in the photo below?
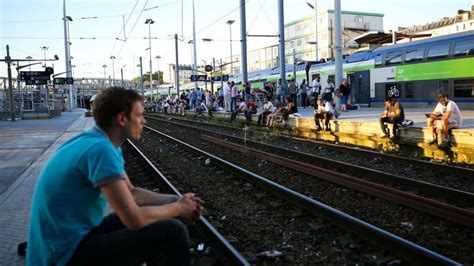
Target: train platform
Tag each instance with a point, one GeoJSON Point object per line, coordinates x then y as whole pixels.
{"type": "Point", "coordinates": [25, 146]}
{"type": "Point", "coordinates": [361, 128]}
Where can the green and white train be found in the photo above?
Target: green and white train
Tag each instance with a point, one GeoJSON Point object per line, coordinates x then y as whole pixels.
{"type": "Point", "coordinates": [414, 72]}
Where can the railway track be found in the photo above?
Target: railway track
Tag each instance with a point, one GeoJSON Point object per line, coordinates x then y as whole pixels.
{"type": "Point", "coordinates": [142, 172]}
{"type": "Point", "coordinates": [283, 215]}
{"type": "Point", "coordinates": [369, 216]}
{"type": "Point", "coordinates": [459, 178]}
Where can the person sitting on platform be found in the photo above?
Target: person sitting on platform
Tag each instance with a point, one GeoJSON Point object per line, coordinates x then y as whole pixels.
{"type": "Point", "coordinates": [323, 110]}
{"type": "Point", "coordinates": [447, 112]}
{"type": "Point", "coordinates": [87, 173]}
{"type": "Point", "coordinates": [200, 107]}
{"type": "Point", "coordinates": [250, 109]}
{"type": "Point", "coordinates": [392, 114]}
{"type": "Point", "coordinates": [267, 109]}
{"type": "Point", "coordinates": [240, 109]}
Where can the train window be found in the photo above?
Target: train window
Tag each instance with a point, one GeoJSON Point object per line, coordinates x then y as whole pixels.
{"type": "Point", "coordinates": [464, 88]}
{"type": "Point", "coordinates": [414, 55]}
{"type": "Point", "coordinates": [378, 59]}
{"type": "Point", "coordinates": [393, 58]}
{"type": "Point", "coordinates": [438, 51]}
{"type": "Point", "coordinates": [464, 48]}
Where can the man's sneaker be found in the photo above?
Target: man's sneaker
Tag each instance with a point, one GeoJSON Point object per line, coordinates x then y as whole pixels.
{"type": "Point", "coordinates": [317, 128]}
{"type": "Point", "coordinates": [432, 141]}
{"type": "Point", "coordinates": [384, 135]}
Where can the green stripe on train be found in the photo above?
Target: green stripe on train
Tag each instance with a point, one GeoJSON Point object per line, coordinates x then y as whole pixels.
{"type": "Point", "coordinates": [457, 68]}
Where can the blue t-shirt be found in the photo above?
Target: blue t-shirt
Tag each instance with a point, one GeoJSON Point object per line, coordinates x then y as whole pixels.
{"type": "Point", "coordinates": [67, 201]}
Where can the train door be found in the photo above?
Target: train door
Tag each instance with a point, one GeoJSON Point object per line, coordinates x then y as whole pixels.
{"type": "Point", "coordinates": [360, 84]}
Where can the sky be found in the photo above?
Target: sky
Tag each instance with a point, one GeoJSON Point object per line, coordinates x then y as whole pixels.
{"type": "Point", "coordinates": [27, 25]}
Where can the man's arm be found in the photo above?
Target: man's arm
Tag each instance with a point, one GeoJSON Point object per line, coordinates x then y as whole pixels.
{"type": "Point", "coordinates": [144, 197]}
{"type": "Point", "coordinates": [134, 217]}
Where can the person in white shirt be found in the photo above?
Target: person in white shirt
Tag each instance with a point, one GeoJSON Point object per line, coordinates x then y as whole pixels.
{"type": "Point", "coordinates": [227, 99]}
{"type": "Point", "coordinates": [242, 107]}
{"type": "Point", "coordinates": [316, 89]}
{"type": "Point", "coordinates": [447, 112]}
{"type": "Point", "coordinates": [323, 110]}
{"type": "Point", "coordinates": [267, 109]}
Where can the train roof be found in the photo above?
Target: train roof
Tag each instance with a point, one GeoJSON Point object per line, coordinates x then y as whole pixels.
{"type": "Point", "coordinates": [370, 54]}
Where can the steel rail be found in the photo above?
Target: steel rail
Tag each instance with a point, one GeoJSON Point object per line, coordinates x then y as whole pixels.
{"type": "Point", "coordinates": [436, 208]}
{"type": "Point", "coordinates": [447, 169]}
{"type": "Point", "coordinates": [455, 195]}
{"type": "Point", "coordinates": [224, 249]}
{"type": "Point", "coordinates": [407, 250]}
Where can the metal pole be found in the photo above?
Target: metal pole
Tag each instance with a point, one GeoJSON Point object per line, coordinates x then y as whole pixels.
{"type": "Point", "coordinates": [243, 37]}
{"type": "Point", "coordinates": [141, 77]}
{"type": "Point", "coordinates": [158, 70]}
{"type": "Point", "coordinates": [113, 70]}
{"type": "Point", "coordinates": [281, 52]}
{"type": "Point", "coordinates": [67, 58]}
{"type": "Point", "coordinates": [294, 65]}
{"type": "Point", "coordinates": [337, 15]}
{"type": "Point", "coordinates": [151, 64]}
{"type": "Point", "coordinates": [222, 81]}
{"type": "Point", "coordinates": [194, 48]}
{"type": "Point", "coordinates": [316, 28]}
{"type": "Point", "coordinates": [121, 76]}
{"type": "Point", "coordinates": [177, 63]}
{"type": "Point", "coordinates": [10, 85]}
{"type": "Point", "coordinates": [212, 76]}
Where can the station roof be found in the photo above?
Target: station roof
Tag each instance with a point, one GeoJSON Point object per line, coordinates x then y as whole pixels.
{"type": "Point", "coordinates": [377, 37]}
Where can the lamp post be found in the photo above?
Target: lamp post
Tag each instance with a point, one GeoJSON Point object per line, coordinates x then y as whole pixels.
{"type": "Point", "coordinates": [113, 70]}
{"type": "Point", "coordinates": [44, 49]}
{"type": "Point", "coordinates": [194, 48]}
{"type": "Point", "coordinates": [67, 57]}
{"type": "Point", "coordinates": [121, 75]}
{"type": "Point", "coordinates": [229, 22]}
{"type": "Point", "coordinates": [315, 7]}
{"type": "Point", "coordinates": [105, 73]}
{"type": "Point", "coordinates": [158, 68]}
{"type": "Point", "coordinates": [150, 21]}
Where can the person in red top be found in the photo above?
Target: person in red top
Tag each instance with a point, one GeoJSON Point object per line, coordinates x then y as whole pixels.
{"type": "Point", "coordinates": [250, 110]}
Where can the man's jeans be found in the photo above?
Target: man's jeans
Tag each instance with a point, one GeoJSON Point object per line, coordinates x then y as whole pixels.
{"type": "Point", "coordinates": [165, 242]}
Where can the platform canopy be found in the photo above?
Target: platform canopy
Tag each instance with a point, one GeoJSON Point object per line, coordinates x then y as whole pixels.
{"type": "Point", "coordinates": [378, 37]}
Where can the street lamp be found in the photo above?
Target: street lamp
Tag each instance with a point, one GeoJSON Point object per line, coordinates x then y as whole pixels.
{"type": "Point", "coordinates": [113, 70]}
{"type": "Point", "coordinates": [315, 7]}
{"type": "Point", "coordinates": [105, 73]}
{"type": "Point", "coordinates": [158, 67]}
{"type": "Point", "coordinates": [29, 60]}
{"type": "Point", "coordinates": [150, 21]}
{"type": "Point", "coordinates": [44, 49]}
{"type": "Point", "coordinates": [230, 22]}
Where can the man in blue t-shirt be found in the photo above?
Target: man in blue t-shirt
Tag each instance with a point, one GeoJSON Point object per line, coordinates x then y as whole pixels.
{"type": "Point", "coordinates": [67, 216]}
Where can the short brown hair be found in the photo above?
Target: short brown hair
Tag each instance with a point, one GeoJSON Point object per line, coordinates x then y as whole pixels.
{"type": "Point", "coordinates": [113, 101]}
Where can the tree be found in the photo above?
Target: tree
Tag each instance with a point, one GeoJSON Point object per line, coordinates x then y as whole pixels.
{"type": "Point", "coordinates": [146, 77]}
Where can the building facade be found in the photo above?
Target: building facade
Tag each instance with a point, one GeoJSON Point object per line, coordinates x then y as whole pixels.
{"type": "Point", "coordinates": [185, 72]}
{"type": "Point", "coordinates": [462, 21]}
{"type": "Point", "coordinates": [300, 37]}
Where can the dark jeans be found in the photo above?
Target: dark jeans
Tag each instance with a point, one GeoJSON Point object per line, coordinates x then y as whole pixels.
{"type": "Point", "coordinates": [294, 97]}
{"type": "Point", "coordinates": [234, 115]}
{"type": "Point", "coordinates": [391, 120]}
{"type": "Point", "coordinates": [285, 114]}
{"type": "Point", "coordinates": [326, 116]}
{"type": "Point", "coordinates": [164, 242]}
{"type": "Point", "coordinates": [233, 103]}
{"type": "Point", "coordinates": [248, 114]}
{"type": "Point", "coordinates": [303, 99]}
{"type": "Point", "coordinates": [262, 117]}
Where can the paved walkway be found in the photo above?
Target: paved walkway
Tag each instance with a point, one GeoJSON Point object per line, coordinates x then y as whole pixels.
{"type": "Point", "coordinates": [25, 146]}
